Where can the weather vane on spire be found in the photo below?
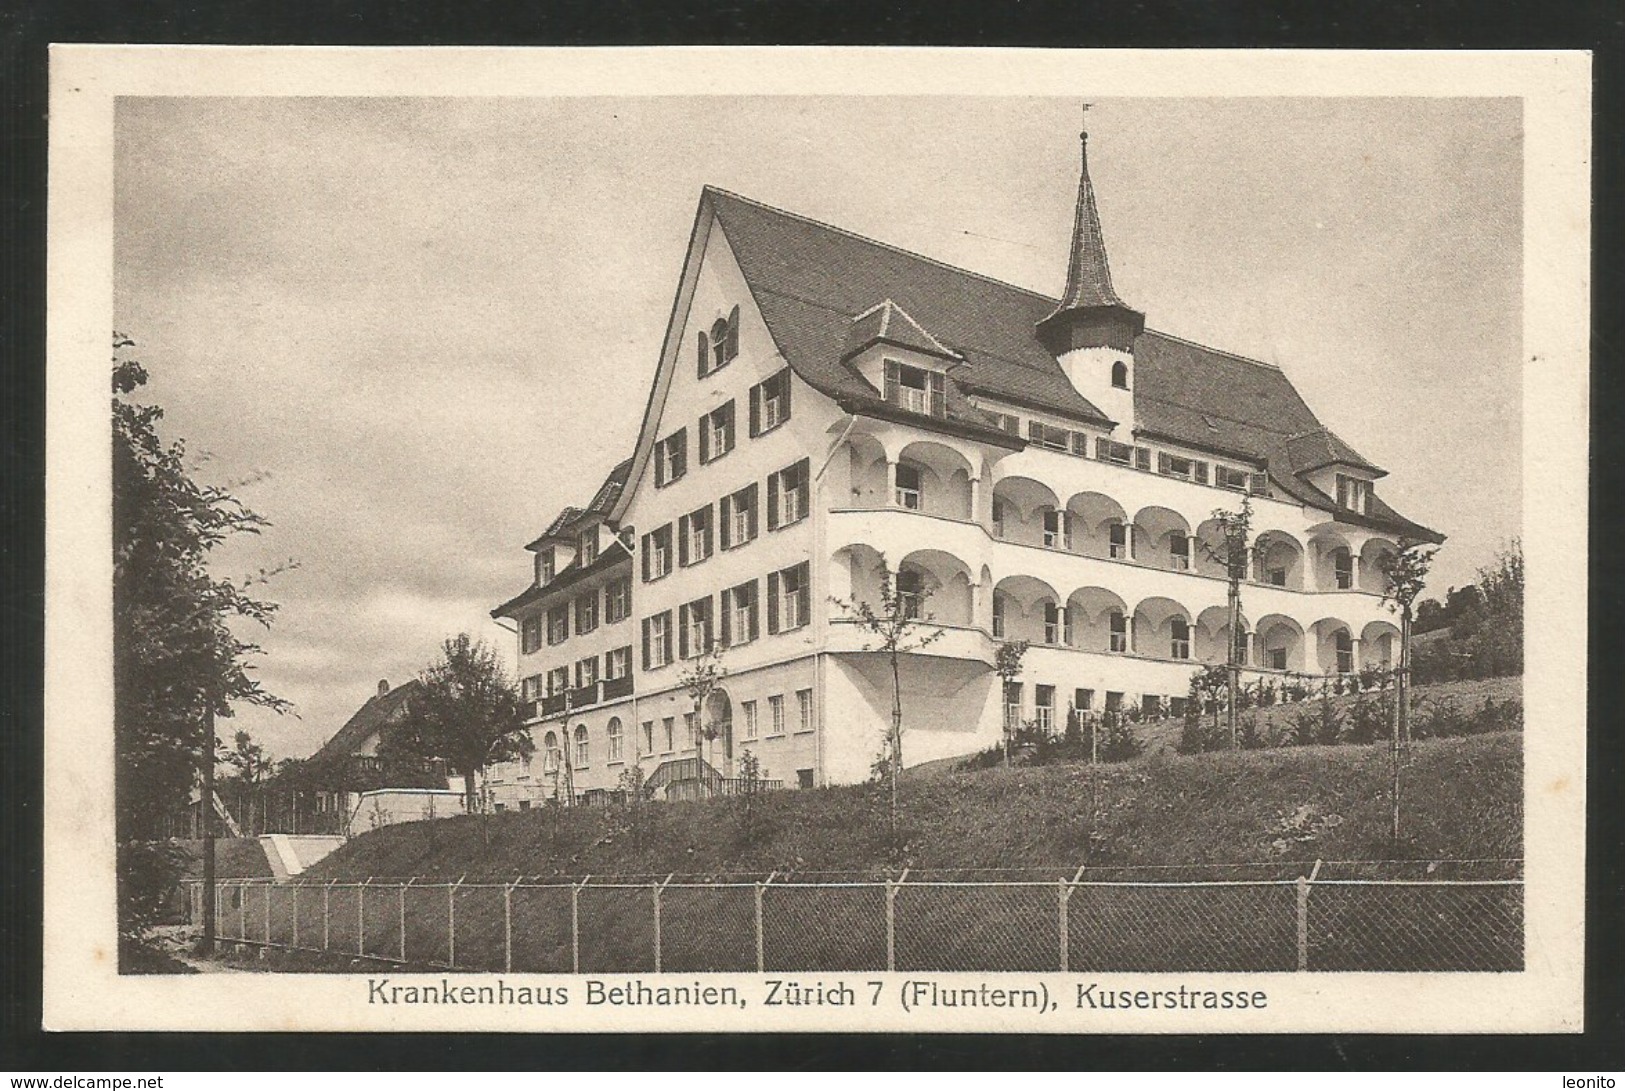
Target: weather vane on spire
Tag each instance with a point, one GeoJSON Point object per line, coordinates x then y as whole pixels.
{"type": "Point", "coordinates": [1083, 118]}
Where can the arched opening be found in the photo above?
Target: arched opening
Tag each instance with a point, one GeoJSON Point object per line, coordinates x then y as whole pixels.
{"type": "Point", "coordinates": [1093, 517]}
{"type": "Point", "coordinates": [552, 754]}
{"type": "Point", "coordinates": [1278, 560]}
{"type": "Point", "coordinates": [1379, 645]}
{"type": "Point", "coordinates": [1334, 646]}
{"type": "Point", "coordinates": [1120, 374]}
{"type": "Point", "coordinates": [939, 584]}
{"type": "Point", "coordinates": [866, 471]}
{"type": "Point", "coordinates": [935, 479]}
{"type": "Point", "coordinates": [617, 740]}
{"type": "Point", "coordinates": [719, 720]}
{"type": "Point", "coordinates": [1209, 550]}
{"type": "Point", "coordinates": [583, 752]}
{"type": "Point", "coordinates": [1212, 636]}
{"type": "Point", "coordinates": [1162, 538]}
{"type": "Point", "coordinates": [1280, 643]}
{"type": "Point", "coordinates": [1374, 559]}
{"type": "Point", "coordinates": [1024, 609]}
{"type": "Point", "coordinates": [1161, 629]}
{"type": "Point", "coordinates": [1099, 620]}
{"type": "Point", "coordinates": [1017, 506]}
{"type": "Point", "coordinates": [1332, 560]}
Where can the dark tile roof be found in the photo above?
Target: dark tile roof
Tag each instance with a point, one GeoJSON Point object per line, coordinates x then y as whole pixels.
{"type": "Point", "coordinates": [570, 520]}
{"type": "Point", "coordinates": [1323, 447]}
{"type": "Point", "coordinates": [810, 279]}
{"type": "Point", "coordinates": [571, 574]}
{"type": "Point", "coordinates": [887, 322]}
{"type": "Point", "coordinates": [1088, 275]}
{"type": "Point", "coordinates": [368, 719]}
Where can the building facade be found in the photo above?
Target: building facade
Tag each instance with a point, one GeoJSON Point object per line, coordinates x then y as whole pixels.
{"type": "Point", "coordinates": [828, 407]}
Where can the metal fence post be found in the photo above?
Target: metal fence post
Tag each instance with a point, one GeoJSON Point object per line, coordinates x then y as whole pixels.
{"type": "Point", "coordinates": [1061, 892]}
{"type": "Point", "coordinates": [327, 898]}
{"type": "Point", "coordinates": [658, 887]}
{"type": "Point", "coordinates": [891, 920]}
{"type": "Point", "coordinates": [507, 926]}
{"type": "Point", "coordinates": [575, 924]}
{"type": "Point", "coordinates": [361, 917]}
{"type": "Point", "coordinates": [451, 922]}
{"type": "Point", "coordinates": [761, 938]}
{"type": "Point", "coordinates": [296, 915]}
{"type": "Point", "coordinates": [1065, 896]}
{"type": "Point", "coordinates": [1303, 915]}
{"type": "Point", "coordinates": [242, 911]}
{"type": "Point", "coordinates": [402, 898]}
{"type": "Point", "coordinates": [268, 913]}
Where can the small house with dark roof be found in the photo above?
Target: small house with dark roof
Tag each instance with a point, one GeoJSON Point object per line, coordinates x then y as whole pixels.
{"type": "Point", "coordinates": [828, 407]}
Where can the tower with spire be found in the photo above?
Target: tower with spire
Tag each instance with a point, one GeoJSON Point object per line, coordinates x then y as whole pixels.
{"type": "Point", "coordinates": [1092, 332]}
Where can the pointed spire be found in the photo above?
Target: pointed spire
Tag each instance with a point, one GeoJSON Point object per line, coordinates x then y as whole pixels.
{"type": "Point", "coordinates": [1089, 297]}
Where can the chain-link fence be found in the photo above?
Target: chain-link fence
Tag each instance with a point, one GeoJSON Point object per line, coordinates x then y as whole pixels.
{"type": "Point", "coordinates": [1450, 917]}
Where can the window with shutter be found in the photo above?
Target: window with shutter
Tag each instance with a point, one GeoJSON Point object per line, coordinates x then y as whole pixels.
{"type": "Point", "coordinates": [1199, 472]}
{"type": "Point", "coordinates": [1080, 444]}
{"type": "Point", "coordinates": [704, 356]}
{"type": "Point", "coordinates": [643, 554]}
{"type": "Point", "coordinates": [683, 537]}
{"type": "Point", "coordinates": [705, 439]}
{"type": "Point", "coordinates": [1258, 484]}
{"type": "Point", "coordinates": [939, 394]}
{"type": "Point", "coordinates": [772, 602]}
{"type": "Point", "coordinates": [755, 411]}
{"type": "Point", "coordinates": [889, 389]}
{"type": "Point", "coordinates": [648, 664]}
{"type": "Point", "coordinates": [725, 518]}
{"type": "Point", "coordinates": [725, 618]}
{"type": "Point", "coordinates": [733, 334]}
{"type": "Point", "coordinates": [1142, 458]}
{"type": "Point", "coordinates": [773, 502]}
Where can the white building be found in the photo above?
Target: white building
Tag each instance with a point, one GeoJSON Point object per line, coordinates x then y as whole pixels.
{"type": "Point", "coordinates": [1037, 469]}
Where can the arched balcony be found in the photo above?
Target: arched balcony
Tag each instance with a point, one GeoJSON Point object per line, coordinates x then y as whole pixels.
{"type": "Point", "coordinates": [1335, 646]}
{"type": "Point", "coordinates": [1162, 539]}
{"type": "Point", "coordinates": [923, 476]}
{"type": "Point", "coordinates": [1213, 636]}
{"type": "Point", "coordinates": [1278, 560]}
{"type": "Point", "coordinates": [1019, 505]}
{"type": "Point", "coordinates": [1209, 549]}
{"type": "Point", "coordinates": [1373, 559]}
{"type": "Point", "coordinates": [1379, 645]}
{"type": "Point", "coordinates": [1161, 629]}
{"type": "Point", "coordinates": [1026, 608]}
{"type": "Point", "coordinates": [1097, 525]}
{"type": "Point", "coordinates": [1278, 643]}
{"type": "Point", "coordinates": [1331, 560]}
{"type": "Point", "coordinates": [1099, 620]}
{"type": "Point", "coordinates": [941, 584]}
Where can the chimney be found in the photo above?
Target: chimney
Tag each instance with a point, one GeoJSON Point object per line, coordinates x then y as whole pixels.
{"type": "Point", "coordinates": [383, 687]}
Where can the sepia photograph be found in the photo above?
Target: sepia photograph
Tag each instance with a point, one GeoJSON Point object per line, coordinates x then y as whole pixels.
{"type": "Point", "coordinates": [1053, 556]}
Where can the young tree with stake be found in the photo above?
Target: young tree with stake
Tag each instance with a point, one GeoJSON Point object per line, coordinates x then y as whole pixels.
{"type": "Point", "coordinates": [1007, 665]}
{"type": "Point", "coordinates": [1405, 574]}
{"type": "Point", "coordinates": [893, 626]}
{"type": "Point", "coordinates": [700, 680]}
{"type": "Point", "coordinates": [1235, 551]}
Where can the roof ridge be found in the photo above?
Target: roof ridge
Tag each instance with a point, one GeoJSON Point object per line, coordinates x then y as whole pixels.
{"type": "Point", "coordinates": [1224, 416]}
{"type": "Point", "coordinates": [883, 245]}
{"type": "Point", "coordinates": [1209, 348]}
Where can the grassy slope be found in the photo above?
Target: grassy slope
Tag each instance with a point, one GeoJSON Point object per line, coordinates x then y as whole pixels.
{"type": "Point", "coordinates": [1463, 799]}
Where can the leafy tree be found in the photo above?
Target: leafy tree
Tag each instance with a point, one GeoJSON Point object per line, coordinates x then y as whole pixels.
{"type": "Point", "coordinates": [247, 758]}
{"type": "Point", "coordinates": [1405, 574]}
{"type": "Point", "coordinates": [467, 713]}
{"type": "Point", "coordinates": [1235, 551]}
{"type": "Point", "coordinates": [894, 626]}
{"type": "Point", "coordinates": [177, 661]}
{"type": "Point", "coordinates": [1007, 665]}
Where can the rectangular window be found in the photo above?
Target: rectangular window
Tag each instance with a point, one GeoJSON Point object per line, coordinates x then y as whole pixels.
{"type": "Point", "coordinates": [694, 636]}
{"type": "Point", "coordinates": [531, 688]}
{"type": "Point", "coordinates": [751, 724]}
{"type": "Point", "coordinates": [1007, 422]}
{"type": "Point", "coordinates": [586, 613]}
{"type": "Point", "coordinates": [1045, 435]}
{"type": "Point", "coordinates": [618, 600]}
{"type": "Point", "coordinates": [1057, 529]}
{"type": "Point", "coordinates": [1118, 627]}
{"type": "Point", "coordinates": [1276, 658]}
{"type": "Point", "coordinates": [1277, 577]}
{"type": "Point", "coordinates": [657, 641]}
{"type": "Point", "coordinates": [1175, 465]}
{"type": "Point", "coordinates": [1227, 477]}
{"type": "Point", "coordinates": [1117, 542]}
{"type": "Point", "coordinates": [558, 680]}
{"type": "Point", "coordinates": [804, 710]}
{"type": "Point", "coordinates": [717, 433]}
{"type": "Point", "coordinates": [775, 708]}
{"type": "Point", "coordinates": [1354, 494]}
{"type": "Point", "coordinates": [671, 457]}
{"type": "Point", "coordinates": [1044, 708]}
{"type": "Point", "coordinates": [1110, 451]}
{"type": "Point", "coordinates": [530, 634]}
{"type": "Point", "coordinates": [586, 672]}
{"type": "Point", "coordinates": [558, 625]}
{"type": "Point", "coordinates": [648, 736]}
{"type": "Point", "coordinates": [998, 615]}
{"type": "Point", "coordinates": [1053, 623]}
{"type": "Point", "coordinates": [770, 403]}
{"type": "Point", "coordinates": [694, 537]}
{"type": "Point", "coordinates": [587, 547]}
{"type": "Point", "coordinates": [804, 778]}
{"type": "Point", "coordinates": [1343, 569]}
{"type": "Point", "coordinates": [1012, 705]}
{"type": "Point", "coordinates": [1142, 458]}
{"type": "Point", "coordinates": [1083, 700]}
{"type": "Point", "coordinates": [910, 592]}
{"type": "Point", "coordinates": [1080, 444]}
{"type": "Point", "coordinates": [739, 614]}
{"type": "Point", "coordinates": [615, 745]}
{"type": "Point", "coordinates": [657, 553]}
{"type": "Point", "coordinates": [1179, 552]}
{"type": "Point", "coordinates": [915, 389]}
{"type": "Point", "coordinates": [998, 518]}
{"type": "Point", "coordinates": [617, 663]}
{"type": "Point", "coordinates": [788, 598]}
{"type": "Point", "coordinates": [546, 566]}
{"type": "Point", "coordinates": [788, 494]}
{"type": "Point", "coordinates": [736, 517]}
{"type": "Point", "coordinates": [669, 726]}
{"type": "Point", "coordinates": [1114, 701]}
{"type": "Point", "coordinates": [908, 487]}
{"type": "Point", "coordinates": [691, 731]}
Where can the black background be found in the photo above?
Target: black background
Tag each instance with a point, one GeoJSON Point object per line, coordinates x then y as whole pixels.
{"type": "Point", "coordinates": [26, 26]}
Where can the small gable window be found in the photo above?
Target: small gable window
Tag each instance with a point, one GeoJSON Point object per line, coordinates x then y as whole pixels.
{"type": "Point", "coordinates": [1120, 375]}
{"type": "Point", "coordinates": [916, 389]}
{"type": "Point", "coordinates": [720, 346]}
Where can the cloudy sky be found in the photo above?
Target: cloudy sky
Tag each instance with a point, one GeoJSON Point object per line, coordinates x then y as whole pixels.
{"type": "Point", "coordinates": [423, 325]}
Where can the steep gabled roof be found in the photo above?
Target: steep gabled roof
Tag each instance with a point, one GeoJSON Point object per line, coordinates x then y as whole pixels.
{"type": "Point", "coordinates": [1322, 447]}
{"type": "Point", "coordinates": [808, 279]}
{"type": "Point", "coordinates": [571, 519]}
{"type": "Point", "coordinates": [368, 720]}
{"type": "Point", "coordinates": [571, 574]}
{"type": "Point", "coordinates": [887, 323]}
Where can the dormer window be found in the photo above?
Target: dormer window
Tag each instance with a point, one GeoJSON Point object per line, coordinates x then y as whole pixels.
{"type": "Point", "coordinates": [1354, 494]}
{"type": "Point", "coordinates": [1120, 375]}
{"type": "Point", "coordinates": [588, 545]}
{"type": "Point", "coordinates": [546, 567]}
{"type": "Point", "coordinates": [916, 389]}
{"type": "Point", "coordinates": [720, 346]}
